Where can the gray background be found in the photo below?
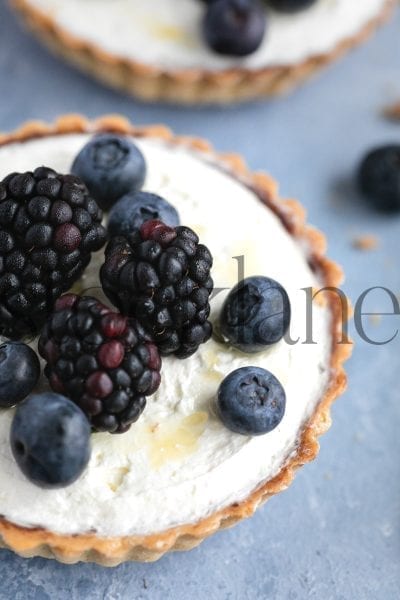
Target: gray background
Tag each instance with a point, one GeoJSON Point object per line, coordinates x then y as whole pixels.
{"type": "Point", "coordinates": [335, 533]}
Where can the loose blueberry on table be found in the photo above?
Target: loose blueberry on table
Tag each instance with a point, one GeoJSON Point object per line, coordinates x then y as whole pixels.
{"type": "Point", "coordinates": [379, 178]}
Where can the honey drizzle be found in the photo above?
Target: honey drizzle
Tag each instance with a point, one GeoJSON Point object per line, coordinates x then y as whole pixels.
{"type": "Point", "coordinates": [176, 439]}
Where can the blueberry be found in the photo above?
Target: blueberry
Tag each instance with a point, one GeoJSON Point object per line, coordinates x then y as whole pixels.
{"type": "Point", "coordinates": [255, 314]}
{"type": "Point", "coordinates": [50, 440]}
{"type": "Point", "coordinates": [134, 209]}
{"type": "Point", "coordinates": [291, 6]}
{"type": "Point", "coordinates": [251, 401]}
{"type": "Point", "coordinates": [379, 178]}
{"type": "Point", "coordinates": [110, 166]}
{"type": "Point", "coordinates": [19, 372]}
{"type": "Point", "coordinates": [234, 27]}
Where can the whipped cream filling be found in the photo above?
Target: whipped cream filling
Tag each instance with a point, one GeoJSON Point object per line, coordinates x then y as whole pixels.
{"type": "Point", "coordinates": [179, 463]}
{"type": "Point", "coordinates": [167, 33]}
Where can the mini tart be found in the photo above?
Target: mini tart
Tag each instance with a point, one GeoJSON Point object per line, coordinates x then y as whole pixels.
{"type": "Point", "coordinates": [179, 475]}
{"type": "Point", "coordinates": [156, 52]}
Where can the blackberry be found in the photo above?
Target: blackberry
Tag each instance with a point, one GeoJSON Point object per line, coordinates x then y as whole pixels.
{"type": "Point", "coordinates": [105, 362]}
{"type": "Point", "coordinates": [49, 226]}
{"type": "Point", "coordinates": [161, 275]}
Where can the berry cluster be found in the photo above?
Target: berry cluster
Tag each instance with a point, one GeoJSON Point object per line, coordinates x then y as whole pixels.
{"type": "Point", "coordinates": [49, 225]}
{"type": "Point", "coordinates": [161, 274]}
{"type": "Point", "coordinates": [237, 27]}
{"type": "Point", "coordinates": [105, 362]}
{"type": "Point", "coordinates": [102, 364]}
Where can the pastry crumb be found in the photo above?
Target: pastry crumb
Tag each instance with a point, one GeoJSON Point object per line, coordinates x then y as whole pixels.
{"type": "Point", "coordinates": [365, 242]}
{"type": "Point", "coordinates": [375, 319]}
{"type": "Point", "coordinates": [392, 112]}
{"type": "Point", "coordinates": [319, 297]}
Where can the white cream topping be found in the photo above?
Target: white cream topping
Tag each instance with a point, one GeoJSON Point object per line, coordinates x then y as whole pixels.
{"type": "Point", "coordinates": [167, 33]}
{"type": "Point", "coordinates": [179, 463]}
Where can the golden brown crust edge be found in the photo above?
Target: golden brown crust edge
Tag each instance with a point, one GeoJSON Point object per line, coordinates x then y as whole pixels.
{"type": "Point", "coordinates": [187, 86]}
{"type": "Point", "coordinates": [112, 551]}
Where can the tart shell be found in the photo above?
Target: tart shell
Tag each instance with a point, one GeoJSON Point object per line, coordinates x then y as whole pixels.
{"type": "Point", "coordinates": [185, 86]}
{"type": "Point", "coordinates": [112, 551]}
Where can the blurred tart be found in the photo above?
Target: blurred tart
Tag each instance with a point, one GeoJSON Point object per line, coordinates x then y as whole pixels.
{"type": "Point", "coordinates": [157, 50]}
{"type": "Point", "coordinates": [180, 474]}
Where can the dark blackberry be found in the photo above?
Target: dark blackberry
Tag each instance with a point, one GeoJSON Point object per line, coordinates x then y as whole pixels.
{"type": "Point", "coordinates": [161, 275]}
{"type": "Point", "coordinates": [105, 362]}
{"type": "Point", "coordinates": [48, 228]}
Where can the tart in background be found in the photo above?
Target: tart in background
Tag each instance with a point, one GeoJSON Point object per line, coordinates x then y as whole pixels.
{"type": "Point", "coordinates": [156, 51]}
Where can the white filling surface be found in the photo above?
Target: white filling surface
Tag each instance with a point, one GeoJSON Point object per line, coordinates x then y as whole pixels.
{"type": "Point", "coordinates": [167, 33]}
{"type": "Point", "coordinates": [179, 463]}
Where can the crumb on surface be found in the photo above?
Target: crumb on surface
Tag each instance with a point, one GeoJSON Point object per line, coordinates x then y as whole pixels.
{"type": "Point", "coordinates": [365, 242]}
{"type": "Point", "coordinates": [392, 111]}
{"type": "Point", "coordinates": [319, 296]}
{"type": "Point", "coordinates": [375, 319]}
